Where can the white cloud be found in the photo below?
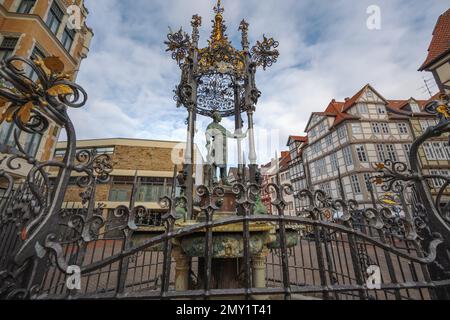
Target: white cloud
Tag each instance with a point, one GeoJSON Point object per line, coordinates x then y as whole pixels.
{"type": "Point", "coordinates": [326, 52]}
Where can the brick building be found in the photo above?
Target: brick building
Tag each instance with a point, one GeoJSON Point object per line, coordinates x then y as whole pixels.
{"type": "Point", "coordinates": [150, 162]}
{"type": "Point", "coordinates": [38, 29]}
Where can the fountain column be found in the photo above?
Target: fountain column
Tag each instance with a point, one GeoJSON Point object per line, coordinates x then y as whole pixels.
{"type": "Point", "coordinates": [181, 270]}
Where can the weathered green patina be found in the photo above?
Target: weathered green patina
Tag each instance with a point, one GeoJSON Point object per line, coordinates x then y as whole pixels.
{"type": "Point", "coordinates": [291, 240]}
{"type": "Point", "coordinates": [225, 245]}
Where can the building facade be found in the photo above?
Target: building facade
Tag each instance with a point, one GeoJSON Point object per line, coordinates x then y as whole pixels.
{"type": "Point", "coordinates": [147, 164]}
{"type": "Point", "coordinates": [297, 169]}
{"type": "Point", "coordinates": [438, 59]}
{"type": "Point", "coordinates": [277, 171]}
{"type": "Point", "coordinates": [434, 155]}
{"type": "Point", "coordinates": [347, 140]}
{"type": "Point", "coordinates": [38, 29]}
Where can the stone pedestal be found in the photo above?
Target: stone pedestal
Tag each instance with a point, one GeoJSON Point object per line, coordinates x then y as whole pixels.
{"type": "Point", "coordinates": [259, 273]}
{"type": "Point", "coordinates": [181, 270]}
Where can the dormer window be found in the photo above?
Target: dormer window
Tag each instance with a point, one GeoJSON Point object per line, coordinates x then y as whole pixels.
{"type": "Point", "coordinates": [414, 107]}
{"type": "Point", "coordinates": [381, 109]}
{"type": "Point", "coordinates": [362, 107]}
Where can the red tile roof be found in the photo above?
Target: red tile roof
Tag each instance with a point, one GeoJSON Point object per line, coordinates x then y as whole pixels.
{"type": "Point", "coordinates": [399, 105]}
{"type": "Point", "coordinates": [352, 101]}
{"type": "Point", "coordinates": [440, 43]}
{"type": "Point", "coordinates": [284, 160]}
{"type": "Point", "coordinates": [299, 138]}
{"type": "Point", "coordinates": [335, 109]}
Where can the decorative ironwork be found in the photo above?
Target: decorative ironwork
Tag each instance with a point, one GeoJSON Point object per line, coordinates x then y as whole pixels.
{"type": "Point", "coordinates": [265, 53]}
{"type": "Point", "coordinates": [179, 44]}
{"type": "Point", "coordinates": [205, 69]}
{"type": "Point", "coordinates": [216, 94]}
{"type": "Point", "coordinates": [332, 242]}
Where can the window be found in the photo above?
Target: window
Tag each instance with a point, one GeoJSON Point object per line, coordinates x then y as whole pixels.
{"type": "Point", "coordinates": [7, 47]}
{"type": "Point", "coordinates": [35, 55]}
{"type": "Point", "coordinates": [60, 153]}
{"type": "Point", "coordinates": [321, 126]}
{"type": "Point", "coordinates": [438, 183]}
{"type": "Point", "coordinates": [376, 128]}
{"type": "Point", "coordinates": [429, 152]}
{"type": "Point", "coordinates": [7, 133]}
{"type": "Point", "coordinates": [326, 187]}
{"type": "Point", "coordinates": [407, 148]}
{"type": "Point", "coordinates": [367, 178]}
{"type": "Point", "coordinates": [334, 162]}
{"type": "Point", "coordinates": [301, 169]}
{"type": "Point", "coordinates": [32, 143]}
{"type": "Point", "coordinates": [316, 147]}
{"type": "Point", "coordinates": [320, 167]}
{"type": "Point", "coordinates": [312, 133]}
{"type": "Point", "coordinates": [414, 107]}
{"type": "Point", "coordinates": [439, 151]}
{"type": "Point", "coordinates": [424, 125]}
{"type": "Point", "coordinates": [99, 150]}
{"type": "Point", "coordinates": [356, 128]}
{"type": "Point", "coordinates": [329, 140]}
{"type": "Point", "coordinates": [355, 184]}
{"type": "Point", "coordinates": [67, 38]}
{"type": "Point", "coordinates": [362, 107]}
{"type": "Point", "coordinates": [392, 155]}
{"type": "Point", "coordinates": [385, 128]}
{"type": "Point", "coordinates": [348, 156]}
{"type": "Point", "coordinates": [447, 150]}
{"type": "Point", "coordinates": [342, 132]}
{"type": "Point", "coordinates": [381, 109]}
{"type": "Point", "coordinates": [25, 6]}
{"type": "Point", "coordinates": [381, 153]}
{"type": "Point", "coordinates": [402, 128]}
{"type": "Point", "coordinates": [369, 94]}
{"type": "Point", "coordinates": [55, 17]}
{"type": "Point", "coordinates": [362, 156]}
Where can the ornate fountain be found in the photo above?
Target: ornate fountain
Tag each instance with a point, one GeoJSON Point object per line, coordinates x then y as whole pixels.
{"type": "Point", "coordinates": [218, 81]}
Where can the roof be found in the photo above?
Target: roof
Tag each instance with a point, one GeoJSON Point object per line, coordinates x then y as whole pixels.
{"type": "Point", "coordinates": [338, 110]}
{"type": "Point", "coordinates": [91, 143]}
{"type": "Point", "coordinates": [284, 160]}
{"type": "Point", "coordinates": [440, 42]}
{"type": "Point", "coordinates": [353, 100]}
{"type": "Point", "coordinates": [303, 139]}
{"type": "Point", "coordinates": [399, 106]}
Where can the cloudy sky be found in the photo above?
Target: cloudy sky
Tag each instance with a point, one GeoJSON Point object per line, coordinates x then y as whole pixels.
{"type": "Point", "coordinates": [326, 52]}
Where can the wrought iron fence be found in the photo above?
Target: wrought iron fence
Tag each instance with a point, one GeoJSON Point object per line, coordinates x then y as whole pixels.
{"type": "Point", "coordinates": [313, 255]}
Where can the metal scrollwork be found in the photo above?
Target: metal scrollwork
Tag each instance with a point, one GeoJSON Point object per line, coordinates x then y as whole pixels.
{"type": "Point", "coordinates": [246, 195]}
{"type": "Point", "coordinates": [178, 43]}
{"type": "Point", "coordinates": [216, 94]}
{"type": "Point", "coordinates": [264, 53]}
{"type": "Point", "coordinates": [211, 199]}
{"type": "Point", "coordinates": [36, 204]}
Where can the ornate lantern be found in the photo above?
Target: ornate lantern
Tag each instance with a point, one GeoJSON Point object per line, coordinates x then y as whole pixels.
{"type": "Point", "coordinates": [219, 78]}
